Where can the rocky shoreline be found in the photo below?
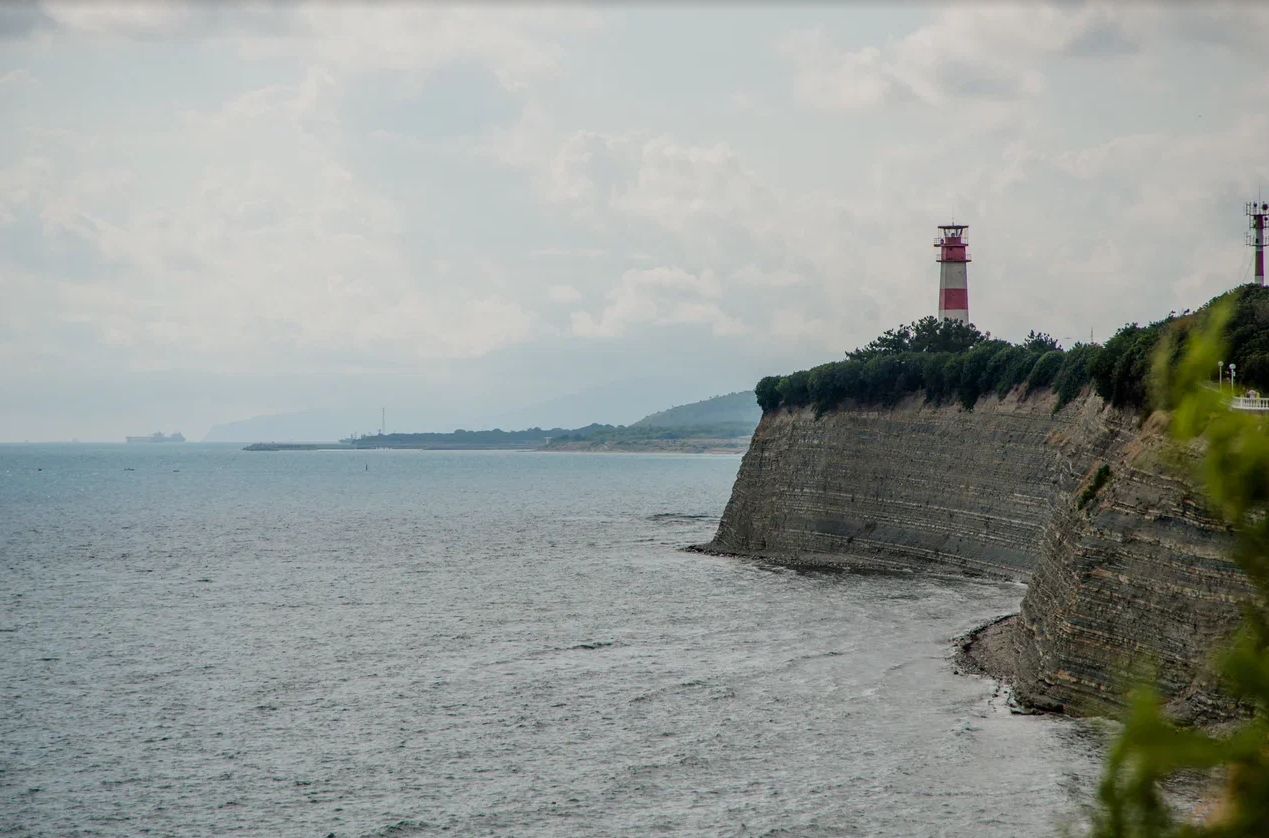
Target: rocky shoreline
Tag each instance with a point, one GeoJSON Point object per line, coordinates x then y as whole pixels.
{"type": "Point", "coordinates": [988, 651]}
{"type": "Point", "coordinates": [654, 446]}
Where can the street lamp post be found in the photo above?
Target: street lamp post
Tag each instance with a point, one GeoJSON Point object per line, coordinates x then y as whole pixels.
{"type": "Point", "coordinates": [1231, 378]}
{"type": "Point", "coordinates": [1220, 375]}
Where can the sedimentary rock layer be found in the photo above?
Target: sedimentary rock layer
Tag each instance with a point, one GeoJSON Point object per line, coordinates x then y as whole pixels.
{"type": "Point", "coordinates": [916, 485]}
{"type": "Point", "coordinates": [1140, 575]}
{"type": "Point", "coordinates": [1139, 583]}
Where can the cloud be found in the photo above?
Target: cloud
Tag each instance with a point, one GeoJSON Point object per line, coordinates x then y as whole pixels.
{"type": "Point", "coordinates": [779, 278]}
{"type": "Point", "coordinates": [21, 19]}
{"type": "Point", "coordinates": [16, 78]}
{"type": "Point", "coordinates": [1220, 25]}
{"type": "Point", "coordinates": [791, 324]}
{"type": "Point", "coordinates": [563, 294]}
{"type": "Point", "coordinates": [747, 102]}
{"type": "Point", "coordinates": [659, 296]}
{"type": "Point", "coordinates": [967, 52]}
{"type": "Point", "coordinates": [705, 197]}
{"type": "Point", "coordinates": [130, 19]}
{"type": "Point", "coordinates": [264, 245]}
{"type": "Point", "coordinates": [585, 252]}
{"type": "Point", "coordinates": [519, 45]}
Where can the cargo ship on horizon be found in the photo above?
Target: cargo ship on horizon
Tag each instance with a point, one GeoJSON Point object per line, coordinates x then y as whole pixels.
{"type": "Point", "coordinates": [157, 436]}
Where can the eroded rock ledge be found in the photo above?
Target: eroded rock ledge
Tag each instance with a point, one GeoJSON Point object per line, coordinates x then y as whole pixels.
{"type": "Point", "coordinates": [1140, 576]}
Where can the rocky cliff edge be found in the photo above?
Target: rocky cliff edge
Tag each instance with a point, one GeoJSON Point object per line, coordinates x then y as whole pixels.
{"type": "Point", "coordinates": [1138, 578]}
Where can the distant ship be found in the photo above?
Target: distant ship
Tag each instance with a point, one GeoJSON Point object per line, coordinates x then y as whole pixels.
{"type": "Point", "coordinates": [157, 436]}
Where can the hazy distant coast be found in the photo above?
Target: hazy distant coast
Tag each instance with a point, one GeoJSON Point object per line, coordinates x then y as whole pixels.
{"type": "Point", "coordinates": [722, 424]}
{"type": "Point", "coordinates": [736, 445]}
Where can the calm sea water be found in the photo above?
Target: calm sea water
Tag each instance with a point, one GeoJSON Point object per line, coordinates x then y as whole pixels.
{"type": "Point", "coordinates": [196, 640]}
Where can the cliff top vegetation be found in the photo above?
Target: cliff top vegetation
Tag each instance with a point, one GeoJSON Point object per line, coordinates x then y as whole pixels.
{"type": "Point", "coordinates": [952, 361]}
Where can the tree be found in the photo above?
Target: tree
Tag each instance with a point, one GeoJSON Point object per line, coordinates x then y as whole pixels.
{"type": "Point", "coordinates": [1040, 342]}
{"type": "Point", "coordinates": [889, 342]}
{"type": "Point", "coordinates": [930, 334]}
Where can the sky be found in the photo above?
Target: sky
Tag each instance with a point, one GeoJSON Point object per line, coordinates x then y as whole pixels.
{"type": "Point", "coordinates": [505, 213]}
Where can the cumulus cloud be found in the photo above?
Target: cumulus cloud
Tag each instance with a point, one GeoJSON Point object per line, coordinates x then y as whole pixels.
{"type": "Point", "coordinates": [520, 45]}
{"type": "Point", "coordinates": [967, 52]}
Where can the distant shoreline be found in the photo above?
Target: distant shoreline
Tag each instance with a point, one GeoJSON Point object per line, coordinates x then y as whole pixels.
{"type": "Point", "coordinates": [667, 446]}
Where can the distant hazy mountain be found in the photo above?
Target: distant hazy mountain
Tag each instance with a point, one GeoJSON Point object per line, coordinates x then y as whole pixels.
{"type": "Point", "coordinates": [614, 403]}
{"type": "Point", "coordinates": [733, 407]}
{"type": "Point", "coordinates": [309, 426]}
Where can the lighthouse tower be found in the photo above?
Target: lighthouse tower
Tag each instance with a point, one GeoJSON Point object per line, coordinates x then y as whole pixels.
{"type": "Point", "coordinates": [1256, 216]}
{"type": "Point", "coordinates": [953, 277]}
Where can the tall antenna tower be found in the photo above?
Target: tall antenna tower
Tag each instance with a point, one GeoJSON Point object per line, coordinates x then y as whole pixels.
{"type": "Point", "coordinates": [953, 274]}
{"type": "Point", "coordinates": [1256, 214]}
{"type": "Point", "coordinates": [383, 420]}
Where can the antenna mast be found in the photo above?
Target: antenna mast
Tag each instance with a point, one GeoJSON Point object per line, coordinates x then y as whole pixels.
{"type": "Point", "coordinates": [1256, 214]}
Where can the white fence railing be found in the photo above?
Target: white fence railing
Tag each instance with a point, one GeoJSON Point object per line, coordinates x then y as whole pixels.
{"type": "Point", "coordinates": [1239, 403]}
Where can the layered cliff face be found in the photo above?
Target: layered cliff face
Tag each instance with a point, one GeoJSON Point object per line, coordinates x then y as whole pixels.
{"type": "Point", "coordinates": [1139, 576]}
{"type": "Point", "coordinates": [1140, 582]}
{"type": "Point", "coordinates": [916, 485]}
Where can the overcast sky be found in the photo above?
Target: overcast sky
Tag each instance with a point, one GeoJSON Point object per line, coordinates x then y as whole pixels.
{"type": "Point", "coordinates": [209, 212]}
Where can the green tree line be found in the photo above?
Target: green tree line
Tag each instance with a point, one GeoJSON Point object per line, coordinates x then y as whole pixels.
{"type": "Point", "coordinates": [950, 361]}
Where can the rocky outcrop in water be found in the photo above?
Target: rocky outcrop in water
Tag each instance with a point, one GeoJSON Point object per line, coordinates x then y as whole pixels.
{"type": "Point", "coordinates": [1139, 575]}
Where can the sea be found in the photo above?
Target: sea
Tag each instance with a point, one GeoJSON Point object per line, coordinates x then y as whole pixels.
{"type": "Point", "coordinates": [201, 641]}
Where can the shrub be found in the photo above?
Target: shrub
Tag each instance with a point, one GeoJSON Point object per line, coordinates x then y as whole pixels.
{"type": "Point", "coordinates": [1016, 373]}
{"type": "Point", "coordinates": [831, 384]}
{"type": "Point", "coordinates": [1076, 371]}
{"type": "Point", "coordinates": [768, 393]}
{"type": "Point", "coordinates": [1045, 370]}
{"type": "Point", "coordinates": [934, 377]}
{"type": "Point", "coordinates": [881, 378]}
{"type": "Point", "coordinates": [795, 389]}
{"type": "Point", "coordinates": [1099, 480]}
{"type": "Point", "coordinates": [976, 374]}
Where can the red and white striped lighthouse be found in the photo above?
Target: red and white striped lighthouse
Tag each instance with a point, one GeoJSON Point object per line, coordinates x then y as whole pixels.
{"type": "Point", "coordinates": [1256, 215]}
{"type": "Point", "coordinates": [953, 276]}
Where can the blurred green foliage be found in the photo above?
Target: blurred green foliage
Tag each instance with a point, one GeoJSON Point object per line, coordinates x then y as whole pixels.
{"type": "Point", "coordinates": [1235, 475]}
